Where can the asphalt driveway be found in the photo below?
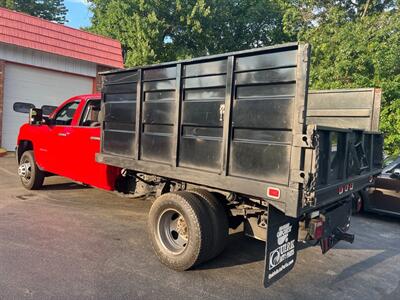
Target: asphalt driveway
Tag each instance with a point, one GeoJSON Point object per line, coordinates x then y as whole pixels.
{"type": "Point", "coordinates": [68, 241]}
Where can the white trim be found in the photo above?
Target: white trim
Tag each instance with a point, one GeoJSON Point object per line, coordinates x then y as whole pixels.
{"type": "Point", "coordinates": [45, 60]}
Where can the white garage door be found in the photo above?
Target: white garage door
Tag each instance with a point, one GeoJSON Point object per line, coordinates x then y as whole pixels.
{"type": "Point", "coordinates": [37, 86]}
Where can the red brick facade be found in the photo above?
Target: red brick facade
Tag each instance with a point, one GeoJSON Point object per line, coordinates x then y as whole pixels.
{"type": "Point", "coordinates": [2, 69]}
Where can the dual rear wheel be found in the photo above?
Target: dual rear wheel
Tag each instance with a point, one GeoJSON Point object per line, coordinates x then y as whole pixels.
{"type": "Point", "coordinates": [187, 228]}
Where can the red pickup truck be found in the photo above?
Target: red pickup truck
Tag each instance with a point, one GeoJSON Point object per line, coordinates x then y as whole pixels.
{"type": "Point", "coordinates": [65, 145]}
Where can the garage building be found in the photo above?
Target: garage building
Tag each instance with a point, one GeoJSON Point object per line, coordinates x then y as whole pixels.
{"type": "Point", "coordinates": [45, 63]}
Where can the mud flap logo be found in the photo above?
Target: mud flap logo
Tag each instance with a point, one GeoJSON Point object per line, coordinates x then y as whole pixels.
{"type": "Point", "coordinates": [285, 249]}
{"type": "Point", "coordinates": [281, 245]}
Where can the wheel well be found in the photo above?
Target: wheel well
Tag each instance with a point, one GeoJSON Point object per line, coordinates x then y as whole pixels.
{"type": "Point", "coordinates": [22, 147]}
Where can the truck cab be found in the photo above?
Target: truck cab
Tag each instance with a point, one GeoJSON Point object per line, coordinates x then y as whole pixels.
{"type": "Point", "coordinates": [65, 144]}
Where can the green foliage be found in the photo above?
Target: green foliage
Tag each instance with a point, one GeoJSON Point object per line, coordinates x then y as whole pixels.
{"type": "Point", "coordinates": [303, 15]}
{"type": "Point", "coordinates": [390, 124]}
{"type": "Point", "coordinates": [52, 10]}
{"type": "Point", "coordinates": [155, 30]}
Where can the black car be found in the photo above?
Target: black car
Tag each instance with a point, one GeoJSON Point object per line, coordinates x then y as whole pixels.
{"type": "Point", "coordinates": [384, 196]}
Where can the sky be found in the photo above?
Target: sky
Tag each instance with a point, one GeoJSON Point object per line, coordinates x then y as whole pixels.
{"type": "Point", "coordinates": [78, 13]}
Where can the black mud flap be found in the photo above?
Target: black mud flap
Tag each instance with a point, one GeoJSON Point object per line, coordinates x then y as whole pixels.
{"type": "Point", "coordinates": [281, 245]}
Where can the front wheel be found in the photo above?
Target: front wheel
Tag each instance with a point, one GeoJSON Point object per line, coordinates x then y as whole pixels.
{"type": "Point", "coordinates": [31, 176]}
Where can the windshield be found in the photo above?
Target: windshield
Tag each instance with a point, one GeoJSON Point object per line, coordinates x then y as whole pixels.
{"type": "Point", "coordinates": [388, 160]}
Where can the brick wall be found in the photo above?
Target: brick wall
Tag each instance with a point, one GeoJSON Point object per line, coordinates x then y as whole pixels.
{"type": "Point", "coordinates": [2, 69]}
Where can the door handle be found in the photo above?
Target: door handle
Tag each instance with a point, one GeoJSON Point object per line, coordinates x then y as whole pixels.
{"type": "Point", "coordinates": [221, 112]}
{"type": "Point", "coordinates": [95, 138]}
{"type": "Point", "coordinates": [62, 134]}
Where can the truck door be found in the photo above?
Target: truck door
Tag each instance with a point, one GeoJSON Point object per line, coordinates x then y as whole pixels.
{"type": "Point", "coordinates": [57, 141]}
{"type": "Point", "coordinates": [385, 196]}
{"type": "Point", "coordinates": [85, 138]}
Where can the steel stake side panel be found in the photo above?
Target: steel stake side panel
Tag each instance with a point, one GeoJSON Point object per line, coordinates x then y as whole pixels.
{"type": "Point", "coordinates": [228, 121]}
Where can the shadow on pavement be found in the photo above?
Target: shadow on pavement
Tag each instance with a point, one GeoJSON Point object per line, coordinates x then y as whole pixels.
{"type": "Point", "coordinates": [364, 265]}
{"type": "Point", "coordinates": [387, 247]}
{"type": "Point", "coordinates": [380, 217]}
{"type": "Point", "coordinates": [243, 250]}
{"type": "Point", "coordinates": [65, 186]}
{"type": "Point", "coordinates": [240, 250]}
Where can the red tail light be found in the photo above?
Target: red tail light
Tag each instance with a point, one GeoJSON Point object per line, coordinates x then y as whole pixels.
{"type": "Point", "coordinates": [316, 229]}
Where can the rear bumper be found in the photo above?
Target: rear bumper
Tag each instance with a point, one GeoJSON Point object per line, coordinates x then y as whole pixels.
{"type": "Point", "coordinates": [328, 195]}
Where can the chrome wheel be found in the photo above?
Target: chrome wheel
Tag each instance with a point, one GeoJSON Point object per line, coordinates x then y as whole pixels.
{"type": "Point", "coordinates": [172, 231]}
{"type": "Point", "coordinates": [31, 176]}
{"type": "Point", "coordinates": [25, 171]}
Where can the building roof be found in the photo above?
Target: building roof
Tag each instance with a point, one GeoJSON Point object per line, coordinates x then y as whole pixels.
{"type": "Point", "coordinates": [35, 33]}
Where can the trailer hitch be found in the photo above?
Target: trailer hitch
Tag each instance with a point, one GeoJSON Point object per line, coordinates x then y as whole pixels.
{"type": "Point", "coordinates": [339, 235]}
{"type": "Point", "coordinates": [345, 236]}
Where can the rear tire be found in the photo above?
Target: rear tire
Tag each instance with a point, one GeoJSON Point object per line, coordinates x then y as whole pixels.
{"type": "Point", "coordinates": [31, 176]}
{"type": "Point", "coordinates": [219, 221]}
{"type": "Point", "coordinates": [357, 202]}
{"type": "Point", "coordinates": [180, 230]}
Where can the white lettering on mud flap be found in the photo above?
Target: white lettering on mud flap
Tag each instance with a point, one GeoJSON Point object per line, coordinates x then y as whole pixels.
{"type": "Point", "coordinates": [281, 246]}
{"type": "Point", "coordinates": [283, 252]}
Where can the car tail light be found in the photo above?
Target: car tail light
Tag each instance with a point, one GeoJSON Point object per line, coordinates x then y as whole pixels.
{"type": "Point", "coordinates": [316, 229]}
{"type": "Point", "coordinates": [273, 193]}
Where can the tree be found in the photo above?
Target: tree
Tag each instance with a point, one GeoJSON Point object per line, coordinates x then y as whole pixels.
{"type": "Point", "coordinates": [52, 10]}
{"type": "Point", "coordinates": [354, 46]}
{"type": "Point", "coordinates": [303, 15]}
{"type": "Point", "coordinates": [155, 30]}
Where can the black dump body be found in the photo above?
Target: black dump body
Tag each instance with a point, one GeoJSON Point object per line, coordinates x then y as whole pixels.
{"type": "Point", "coordinates": [234, 122]}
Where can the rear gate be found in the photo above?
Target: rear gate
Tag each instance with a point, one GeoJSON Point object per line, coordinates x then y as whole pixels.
{"type": "Point", "coordinates": [345, 162]}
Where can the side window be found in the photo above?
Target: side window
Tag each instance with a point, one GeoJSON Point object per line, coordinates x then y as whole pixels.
{"type": "Point", "coordinates": [66, 114]}
{"type": "Point", "coordinates": [90, 116]}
